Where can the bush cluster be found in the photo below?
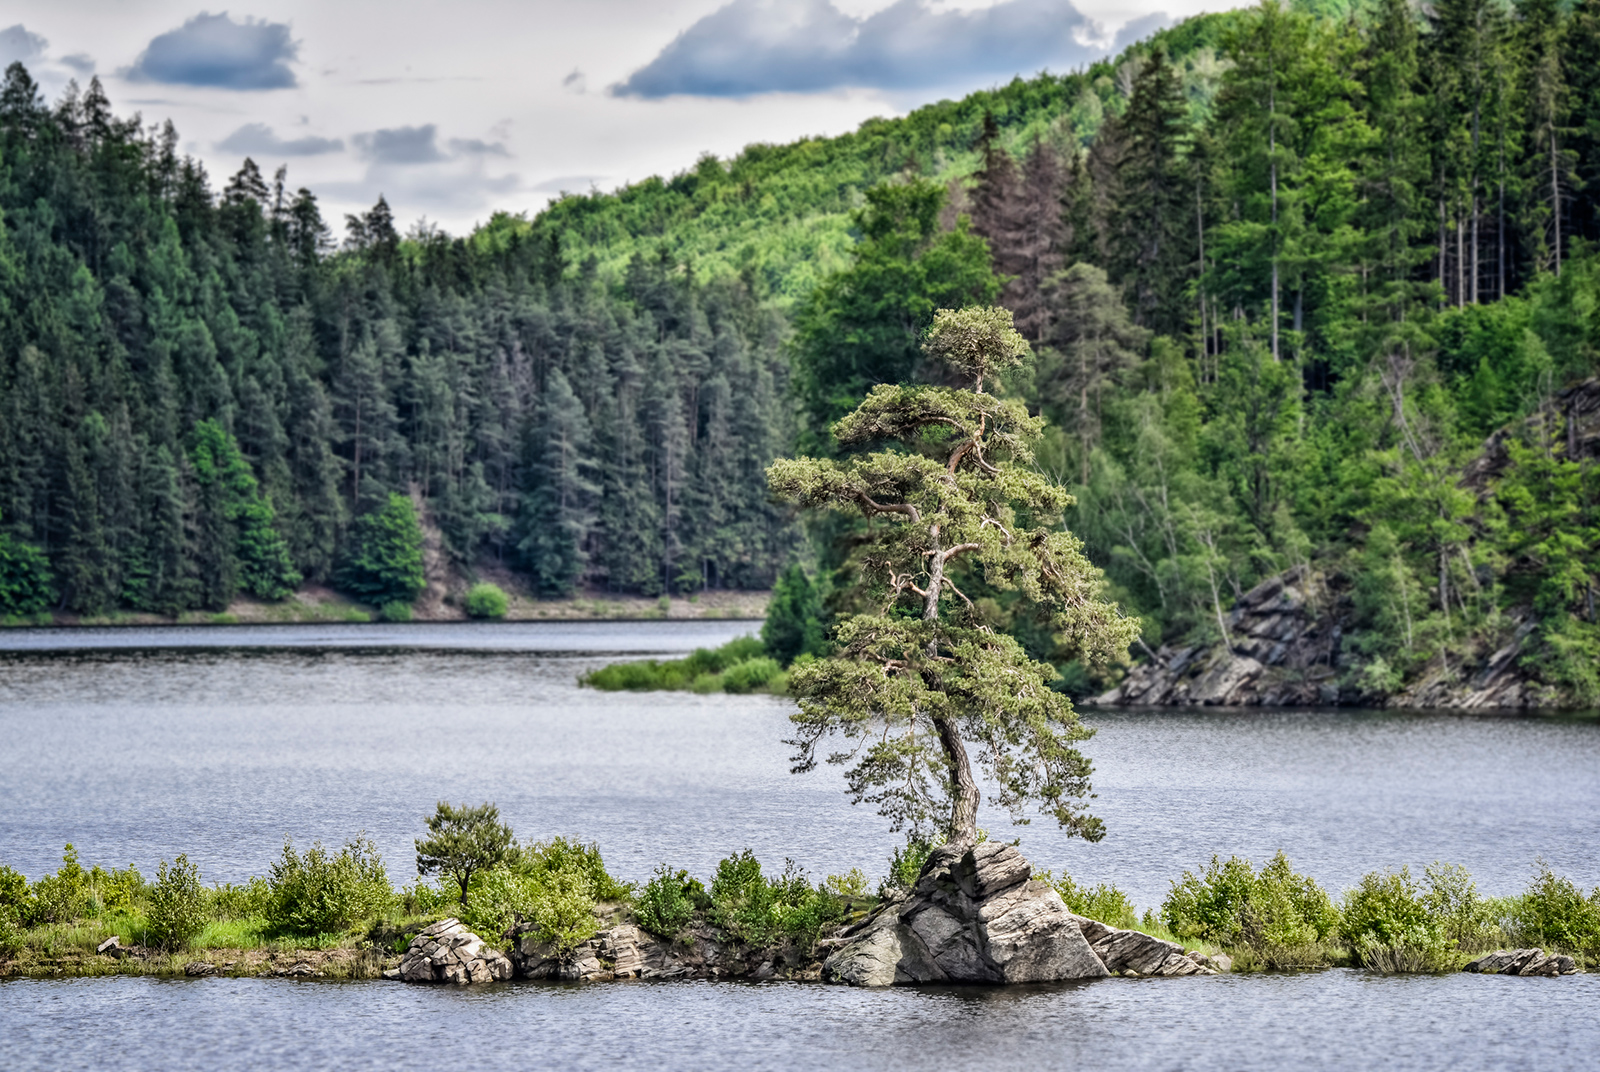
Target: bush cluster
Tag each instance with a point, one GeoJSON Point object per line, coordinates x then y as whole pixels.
{"type": "Point", "coordinates": [175, 908]}
{"type": "Point", "coordinates": [757, 910]}
{"type": "Point", "coordinates": [556, 885]}
{"type": "Point", "coordinates": [669, 901]}
{"type": "Point", "coordinates": [1282, 917]}
{"type": "Point", "coordinates": [739, 666]}
{"type": "Point", "coordinates": [322, 892]}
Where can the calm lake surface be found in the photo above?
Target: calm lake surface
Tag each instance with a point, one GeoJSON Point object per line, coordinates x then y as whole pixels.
{"type": "Point", "coordinates": [138, 744]}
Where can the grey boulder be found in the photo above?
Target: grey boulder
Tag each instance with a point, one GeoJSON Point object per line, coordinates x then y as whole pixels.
{"type": "Point", "coordinates": [447, 952]}
{"type": "Point", "coordinates": [975, 915]}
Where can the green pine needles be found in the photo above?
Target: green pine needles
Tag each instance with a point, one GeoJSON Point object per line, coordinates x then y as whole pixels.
{"type": "Point", "coordinates": [909, 687]}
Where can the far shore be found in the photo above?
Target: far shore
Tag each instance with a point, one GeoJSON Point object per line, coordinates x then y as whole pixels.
{"type": "Point", "coordinates": [317, 605]}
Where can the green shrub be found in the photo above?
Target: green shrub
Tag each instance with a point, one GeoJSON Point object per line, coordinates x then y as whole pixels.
{"type": "Point", "coordinates": [485, 600]}
{"type": "Point", "coordinates": [1465, 919]}
{"type": "Point", "coordinates": [114, 890]}
{"type": "Point", "coordinates": [1107, 904]}
{"type": "Point", "coordinates": [669, 901]}
{"type": "Point", "coordinates": [229, 902]}
{"type": "Point", "coordinates": [749, 907]}
{"type": "Point", "coordinates": [750, 675]}
{"type": "Point", "coordinates": [175, 912]}
{"type": "Point", "coordinates": [559, 855]}
{"type": "Point", "coordinates": [25, 578]}
{"type": "Point", "coordinates": [848, 886]}
{"type": "Point", "coordinates": [905, 865]}
{"type": "Point", "coordinates": [382, 563]}
{"type": "Point", "coordinates": [1388, 925]}
{"type": "Point", "coordinates": [318, 892]}
{"type": "Point", "coordinates": [15, 898]}
{"type": "Point", "coordinates": [395, 611]}
{"type": "Point", "coordinates": [552, 884]}
{"type": "Point", "coordinates": [63, 896]}
{"type": "Point", "coordinates": [1554, 914]}
{"type": "Point", "coordinates": [794, 618]}
{"type": "Point", "coordinates": [12, 938]}
{"type": "Point", "coordinates": [1279, 915]}
{"type": "Point", "coordinates": [704, 670]}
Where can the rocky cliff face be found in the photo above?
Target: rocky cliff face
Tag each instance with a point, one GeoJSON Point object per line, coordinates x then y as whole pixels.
{"type": "Point", "coordinates": [1288, 647]}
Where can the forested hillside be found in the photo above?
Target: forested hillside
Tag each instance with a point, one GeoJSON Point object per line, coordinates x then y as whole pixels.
{"type": "Point", "coordinates": [199, 396]}
{"type": "Point", "coordinates": [1277, 330]}
{"type": "Point", "coordinates": [1286, 270]}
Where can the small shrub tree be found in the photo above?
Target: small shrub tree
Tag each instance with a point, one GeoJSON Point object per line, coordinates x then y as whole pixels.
{"type": "Point", "coordinates": [1555, 914]}
{"type": "Point", "coordinates": [794, 618]}
{"type": "Point", "coordinates": [1387, 922]}
{"type": "Point", "coordinates": [462, 841]}
{"type": "Point", "coordinates": [383, 554]}
{"type": "Point", "coordinates": [319, 892]}
{"type": "Point", "coordinates": [25, 578]}
{"type": "Point", "coordinates": [669, 901]}
{"type": "Point", "coordinates": [63, 896]}
{"type": "Point", "coordinates": [175, 912]}
{"type": "Point", "coordinates": [485, 600]}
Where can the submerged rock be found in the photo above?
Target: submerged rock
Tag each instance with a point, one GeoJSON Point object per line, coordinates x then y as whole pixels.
{"type": "Point", "coordinates": [976, 915]}
{"type": "Point", "coordinates": [447, 952]}
{"type": "Point", "coordinates": [1523, 962]}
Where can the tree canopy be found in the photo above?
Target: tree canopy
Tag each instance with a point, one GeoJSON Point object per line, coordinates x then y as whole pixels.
{"type": "Point", "coordinates": [910, 685]}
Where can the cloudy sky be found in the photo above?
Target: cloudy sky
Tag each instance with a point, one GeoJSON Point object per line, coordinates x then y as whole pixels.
{"type": "Point", "coordinates": [456, 110]}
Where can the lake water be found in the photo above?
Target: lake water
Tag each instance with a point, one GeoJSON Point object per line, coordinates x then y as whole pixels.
{"type": "Point", "coordinates": [138, 744]}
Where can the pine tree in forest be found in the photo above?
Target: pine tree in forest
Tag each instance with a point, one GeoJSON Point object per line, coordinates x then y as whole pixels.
{"type": "Point", "coordinates": [911, 686]}
{"type": "Point", "coordinates": [558, 505]}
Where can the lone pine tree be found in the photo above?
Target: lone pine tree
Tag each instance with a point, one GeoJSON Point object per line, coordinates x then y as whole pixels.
{"type": "Point", "coordinates": [910, 687]}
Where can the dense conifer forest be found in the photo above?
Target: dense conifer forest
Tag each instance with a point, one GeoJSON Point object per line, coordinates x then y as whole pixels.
{"type": "Point", "coordinates": [1286, 268]}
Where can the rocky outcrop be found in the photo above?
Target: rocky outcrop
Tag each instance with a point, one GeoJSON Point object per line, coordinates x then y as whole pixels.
{"type": "Point", "coordinates": [1133, 953]}
{"type": "Point", "coordinates": [1523, 962]}
{"type": "Point", "coordinates": [976, 915]}
{"type": "Point", "coordinates": [627, 952]}
{"type": "Point", "coordinates": [447, 952]}
{"type": "Point", "coordinates": [1287, 647]}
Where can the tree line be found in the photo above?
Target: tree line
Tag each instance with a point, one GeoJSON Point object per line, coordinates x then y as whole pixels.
{"type": "Point", "coordinates": [202, 393]}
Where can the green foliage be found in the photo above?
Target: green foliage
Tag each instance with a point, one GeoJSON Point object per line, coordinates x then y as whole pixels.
{"type": "Point", "coordinates": [26, 583]}
{"type": "Point", "coordinates": [756, 910]}
{"type": "Point", "coordinates": [255, 898]}
{"type": "Point", "coordinates": [383, 554]}
{"type": "Point", "coordinates": [463, 840]}
{"type": "Point", "coordinates": [1386, 920]}
{"type": "Point", "coordinates": [62, 897]}
{"type": "Point", "coordinates": [554, 884]}
{"type": "Point", "coordinates": [14, 895]}
{"type": "Point", "coordinates": [1105, 903]}
{"type": "Point", "coordinates": [175, 909]}
{"type": "Point", "coordinates": [912, 680]}
{"type": "Point", "coordinates": [794, 624]}
{"type": "Point", "coordinates": [906, 863]}
{"type": "Point", "coordinates": [1554, 913]}
{"type": "Point", "coordinates": [1280, 915]}
{"type": "Point", "coordinates": [321, 892]}
{"type": "Point", "coordinates": [395, 612]}
{"type": "Point", "coordinates": [669, 901]}
{"type": "Point", "coordinates": [259, 560]}
{"type": "Point", "coordinates": [739, 666]}
{"type": "Point", "coordinates": [485, 600]}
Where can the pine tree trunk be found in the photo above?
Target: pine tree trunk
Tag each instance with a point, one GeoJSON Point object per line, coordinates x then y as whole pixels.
{"type": "Point", "coordinates": [964, 788]}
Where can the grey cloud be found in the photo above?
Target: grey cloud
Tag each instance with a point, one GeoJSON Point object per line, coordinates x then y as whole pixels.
{"type": "Point", "coordinates": [213, 50]}
{"type": "Point", "coordinates": [18, 45]}
{"type": "Point", "coordinates": [764, 46]}
{"type": "Point", "coordinates": [258, 139]}
{"type": "Point", "coordinates": [477, 147]}
{"type": "Point", "coordinates": [562, 184]}
{"type": "Point", "coordinates": [401, 145]}
{"type": "Point", "coordinates": [1139, 29]}
{"type": "Point", "coordinates": [81, 62]}
{"type": "Point", "coordinates": [575, 82]}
